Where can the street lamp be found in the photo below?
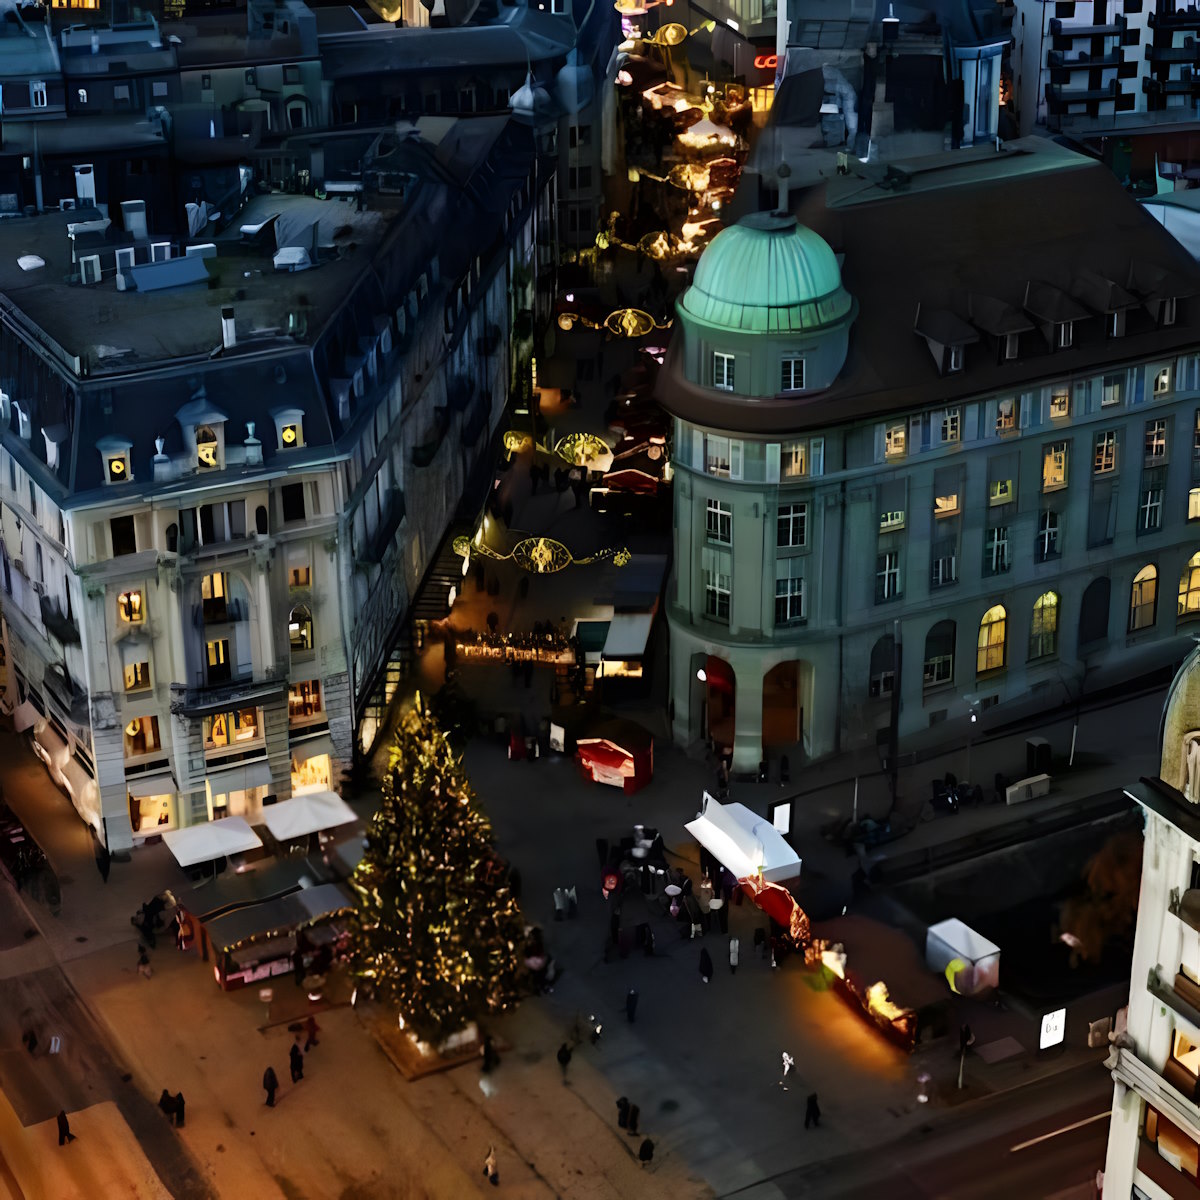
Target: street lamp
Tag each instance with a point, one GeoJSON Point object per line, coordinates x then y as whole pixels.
{"type": "Point", "coordinates": [702, 675]}
{"type": "Point", "coordinates": [973, 706]}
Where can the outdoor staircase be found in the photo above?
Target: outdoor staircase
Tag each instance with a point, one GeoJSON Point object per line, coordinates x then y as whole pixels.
{"type": "Point", "coordinates": [444, 573]}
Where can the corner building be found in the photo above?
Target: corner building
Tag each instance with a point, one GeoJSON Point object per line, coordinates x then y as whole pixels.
{"type": "Point", "coordinates": [937, 432]}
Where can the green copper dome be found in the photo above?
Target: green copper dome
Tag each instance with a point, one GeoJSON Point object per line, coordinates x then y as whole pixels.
{"type": "Point", "coordinates": [767, 274]}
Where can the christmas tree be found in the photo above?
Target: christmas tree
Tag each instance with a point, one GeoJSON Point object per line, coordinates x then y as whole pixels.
{"type": "Point", "coordinates": [438, 932]}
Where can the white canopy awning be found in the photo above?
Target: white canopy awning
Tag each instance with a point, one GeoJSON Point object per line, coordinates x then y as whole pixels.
{"type": "Point", "coordinates": [312, 747]}
{"type": "Point", "coordinates": [743, 841]}
{"type": "Point", "coordinates": [239, 776]}
{"type": "Point", "coordinates": [962, 940]}
{"type": "Point", "coordinates": [306, 814]}
{"type": "Point", "coordinates": [214, 839]}
{"type": "Point", "coordinates": [628, 634]}
{"type": "Point", "coordinates": [162, 783]}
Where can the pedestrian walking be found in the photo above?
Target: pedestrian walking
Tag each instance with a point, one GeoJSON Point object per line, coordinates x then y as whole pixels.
{"type": "Point", "coordinates": [646, 1152]}
{"type": "Point", "coordinates": [631, 1003]}
{"type": "Point", "coordinates": [491, 1060]}
{"type": "Point", "coordinates": [103, 862]}
{"type": "Point", "coordinates": [179, 1111]}
{"type": "Point", "coordinates": [64, 1129]}
{"type": "Point", "coordinates": [166, 1102]}
{"type": "Point", "coordinates": [311, 1029]}
{"type": "Point", "coordinates": [490, 1169]}
{"type": "Point", "coordinates": [271, 1084]}
{"type": "Point", "coordinates": [30, 1040]}
{"type": "Point", "coordinates": [635, 1114]}
{"type": "Point", "coordinates": [734, 948]}
{"type": "Point", "coordinates": [788, 1063]}
{"type": "Point", "coordinates": [564, 1059]}
{"type": "Point", "coordinates": [812, 1112]}
{"type": "Point", "coordinates": [623, 1113]}
{"type": "Point", "coordinates": [296, 1062]}
{"type": "Point", "coordinates": [706, 965]}
{"type": "Point", "coordinates": [143, 963]}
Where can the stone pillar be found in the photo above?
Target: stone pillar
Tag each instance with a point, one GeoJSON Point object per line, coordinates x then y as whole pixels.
{"type": "Point", "coordinates": [681, 687]}
{"type": "Point", "coordinates": [747, 739]}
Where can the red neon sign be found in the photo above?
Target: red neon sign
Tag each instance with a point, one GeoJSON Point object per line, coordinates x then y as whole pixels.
{"type": "Point", "coordinates": [766, 61]}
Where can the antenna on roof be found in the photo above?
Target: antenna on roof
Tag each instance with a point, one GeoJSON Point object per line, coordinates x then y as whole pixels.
{"type": "Point", "coordinates": [783, 174]}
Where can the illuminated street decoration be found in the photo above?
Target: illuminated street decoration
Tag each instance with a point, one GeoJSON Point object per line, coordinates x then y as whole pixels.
{"type": "Point", "coordinates": [540, 555]}
{"type": "Point", "coordinates": [631, 323]}
{"type": "Point", "coordinates": [515, 441]}
{"type": "Point", "coordinates": [581, 448]}
{"type": "Point", "coordinates": [669, 35]}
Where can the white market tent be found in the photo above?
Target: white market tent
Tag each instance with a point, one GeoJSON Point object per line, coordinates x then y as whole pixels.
{"type": "Point", "coordinates": [213, 839]}
{"type": "Point", "coordinates": [744, 842]}
{"type": "Point", "coordinates": [306, 814]}
{"type": "Point", "coordinates": [951, 941]}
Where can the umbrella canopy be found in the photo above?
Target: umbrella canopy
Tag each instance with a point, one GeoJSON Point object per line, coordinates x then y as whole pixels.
{"type": "Point", "coordinates": [743, 841]}
{"type": "Point", "coordinates": [213, 839]}
{"type": "Point", "coordinates": [307, 814]}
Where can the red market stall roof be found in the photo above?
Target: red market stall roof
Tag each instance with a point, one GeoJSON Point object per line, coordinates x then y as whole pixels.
{"type": "Point", "coordinates": [615, 750]}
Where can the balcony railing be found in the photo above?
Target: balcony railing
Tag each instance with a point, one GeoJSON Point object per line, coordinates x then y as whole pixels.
{"type": "Point", "coordinates": [220, 612]}
{"type": "Point", "coordinates": [1182, 18]}
{"type": "Point", "coordinates": [1066, 29]}
{"type": "Point", "coordinates": [203, 697]}
{"type": "Point", "coordinates": [1173, 54]}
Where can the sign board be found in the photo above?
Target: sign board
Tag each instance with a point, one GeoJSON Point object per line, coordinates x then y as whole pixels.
{"type": "Point", "coordinates": [781, 816]}
{"type": "Point", "coordinates": [1054, 1029]}
{"type": "Point", "coordinates": [558, 738]}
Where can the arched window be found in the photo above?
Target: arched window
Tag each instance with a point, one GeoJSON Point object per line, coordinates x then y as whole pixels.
{"type": "Point", "coordinates": [1143, 599]}
{"type": "Point", "coordinates": [1093, 611]}
{"type": "Point", "coordinates": [1189, 588]}
{"type": "Point", "coordinates": [172, 538]}
{"type": "Point", "coordinates": [883, 667]}
{"type": "Point", "coordinates": [1043, 630]}
{"type": "Point", "coordinates": [992, 648]}
{"type": "Point", "coordinates": [939, 655]}
{"type": "Point", "coordinates": [300, 629]}
{"type": "Point", "coordinates": [260, 520]}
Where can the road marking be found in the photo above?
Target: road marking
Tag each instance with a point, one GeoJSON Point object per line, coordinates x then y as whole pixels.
{"type": "Point", "coordinates": [1045, 1137]}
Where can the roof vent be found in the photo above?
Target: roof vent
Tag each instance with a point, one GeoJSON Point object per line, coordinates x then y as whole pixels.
{"type": "Point", "coordinates": [254, 451]}
{"type": "Point", "coordinates": [228, 329]}
{"type": "Point", "coordinates": [161, 463]}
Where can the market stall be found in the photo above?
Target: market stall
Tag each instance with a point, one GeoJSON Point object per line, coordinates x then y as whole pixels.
{"type": "Point", "coordinates": [259, 941]}
{"type": "Point", "coordinates": [618, 753]}
{"type": "Point", "coordinates": [969, 961]}
{"type": "Point", "coordinates": [745, 843]}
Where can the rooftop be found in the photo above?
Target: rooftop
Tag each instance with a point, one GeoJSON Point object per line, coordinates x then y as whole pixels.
{"type": "Point", "coordinates": [947, 233]}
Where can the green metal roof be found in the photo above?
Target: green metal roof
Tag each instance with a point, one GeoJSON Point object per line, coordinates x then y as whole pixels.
{"type": "Point", "coordinates": [767, 274]}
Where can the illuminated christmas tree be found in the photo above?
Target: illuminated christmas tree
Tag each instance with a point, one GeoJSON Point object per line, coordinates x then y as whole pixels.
{"type": "Point", "coordinates": [438, 932]}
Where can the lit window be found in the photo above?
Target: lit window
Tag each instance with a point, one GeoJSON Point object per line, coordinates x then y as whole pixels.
{"type": "Point", "coordinates": [1189, 588]}
{"type": "Point", "coordinates": [945, 506]}
{"type": "Point", "coordinates": [129, 605]}
{"type": "Point", "coordinates": [231, 728]}
{"type": "Point", "coordinates": [289, 436]}
{"type": "Point", "coordinates": [1162, 381]}
{"type": "Point", "coordinates": [82, 94]}
{"type": "Point", "coordinates": [1054, 466]}
{"type": "Point", "coordinates": [137, 676]}
{"type": "Point", "coordinates": [894, 441]}
{"type": "Point", "coordinates": [142, 737]}
{"type": "Point", "coordinates": [214, 595]}
{"type": "Point", "coordinates": [891, 520]}
{"type": "Point", "coordinates": [792, 375]}
{"type": "Point", "coordinates": [791, 526]}
{"type": "Point", "coordinates": [1000, 491]}
{"type": "Point", "coordinates": [991, 648]}
{"type": "Point", "coordinates": [951, 426]}
{"type": "Point", "coordinates": [723, 371]}
{"type": "Point", "coordinates": [1006, 416]}
{"type": "Point", "coordinates": [118, 468]}
{"type": "Point", "coordinates": [207, 448]}
{"type": "Point", "coordinates": [719, 522]}
{"type": "Point", "coordinates": [887, 575]}
{"type": "Point", "coordinates": [794, 459]}
{"type": "Point", "coordinates": [1110, 391]}
{"type": "Point", "coordinates": [1105, 458]}
{"type": "Point", "coordinates": [300, 629]}
{"type": "Point", "coordinates": [1143, 599]}
{"type": "Point", "coordinates": [300, 577]}
{"type": "Point", "coordinates": [304, 700]}
{"type": "Point", "coordinates": [1194, 504]}
{"type": "Point", "coordinates": [1043, 629]}
{"type": "Point", "coordinates": [1060, 404]}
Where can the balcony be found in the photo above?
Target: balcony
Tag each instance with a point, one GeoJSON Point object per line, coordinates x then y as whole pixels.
{"type": "Point", "coordinates": [66, 693]}
{"type": "Point", "coordinates": [1066, 29]}
{"type": "Point", "coordinates": [1060, 60]}
{"type": "Point", "coordinates": [1186, 85]}
{"type": "Point", "coordinates": [1059, 95]}
{"type": "Point", "coordinates": [1182, 18]}
{"type": "Point", "coordinates": [220, 612]}
{"type": "Point", "coordinates": [1173, 54]}
{"type": "Point", "coordinates": [204, 697]}
{"type": "Point", "coordinates": [65, 629]}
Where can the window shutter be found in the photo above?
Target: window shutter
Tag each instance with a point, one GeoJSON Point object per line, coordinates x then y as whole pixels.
{"type": "Point", "coordinates": [880, 442]}
{"type": "Point", "coordinates": [735, 458]}
{"type": "Point", "coordinates": [1026, 406]}
{"type": "Point", "coordinates": [914, 435]}
{"type": "Point", "coordinates": [935, 426]}
{"type": "Point", "coordinates": [816, 456]}
{"type": "Point", "coordinates": [772, 462]}
{"type": "Point", "coordinates": [1100, 517]}
{"type": "Point", "coordinates": [697, 449]}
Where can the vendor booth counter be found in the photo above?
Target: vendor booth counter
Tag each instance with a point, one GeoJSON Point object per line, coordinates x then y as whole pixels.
{"type": "Point", "coordinates": [618, 753]}
{"type": "Point", "coordinates": [969, 961]}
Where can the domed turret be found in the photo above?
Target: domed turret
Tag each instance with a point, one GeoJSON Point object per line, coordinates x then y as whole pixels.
{"type": "Point", "coordinates": [767, 274]}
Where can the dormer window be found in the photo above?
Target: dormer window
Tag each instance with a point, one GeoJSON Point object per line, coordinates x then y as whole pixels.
{"type": "Point", "coordinates": [114, 452]}
{"type": "Point", "coordinates": [289, 436]}
{"type": "Point", "coordinates": [129, 605]}
{"type": "Point", "coordinates": [1064, 335]}
{"type": "Point", "coordinates": [1012, 346]}
{"type": "Point", "coordinates": [1116, 324]}
{"type": "Point", "coordinates": [956, 358]}
{"type": "Point", "coordinates": [208, 448]}
{"type": "Point", "coordinates": [1168, 311]}
{"type": "Point", "coordinates": [289, 425]}
{"type": "Point", "coordinates": [117, 468]}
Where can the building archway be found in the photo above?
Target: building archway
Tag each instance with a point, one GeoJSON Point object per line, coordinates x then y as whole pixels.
{"type": "Point", "coordinates": [1093, 612]}
{"type": "Point", "coordinates": [783, 705]}
{"type": "Point", "coordinates": [714, 698]}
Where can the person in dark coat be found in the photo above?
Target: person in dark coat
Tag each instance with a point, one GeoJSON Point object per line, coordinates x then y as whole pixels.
{"type": "Point", "coordinates": [706, 966]}
{"type": "Point", "coordinates": [623, 1113]}
{"type": "Point", "coordinates": [179, 1111]}
{"type": "Point", "coordinates": [564, 1059]}
{"type": "Point", "coordinates": [103, 862]}
{"type": "Point", "coordinates": [812, 1112]}
{"type": "Point", "coordinates": [271, 1084]}
{"type": "Point", "coordinates": [166, 1102]}
{"type": "Point", "coordinates": [64, 1129]}
{"type": "Point", "coordinates": [491, 1060]}
{"type": "Point", "coordinates": [645, 1152]}
{"type": "Point", "coordinates": [296, 1062]}
{"type": "Point", "coordinates": [635, 1114]}
{"type": "Point", "coordinates": [631, 1003]}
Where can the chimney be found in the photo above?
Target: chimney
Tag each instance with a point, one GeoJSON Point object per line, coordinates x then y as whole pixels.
{"type": "Point", "coordinates": [228, 329]}
{"type": "Point", "coordinates": [133, 214]}
{"type": "Point", "coordinates": [162, 464]}
{"type": "Point", "coordinates": [253, 446]}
